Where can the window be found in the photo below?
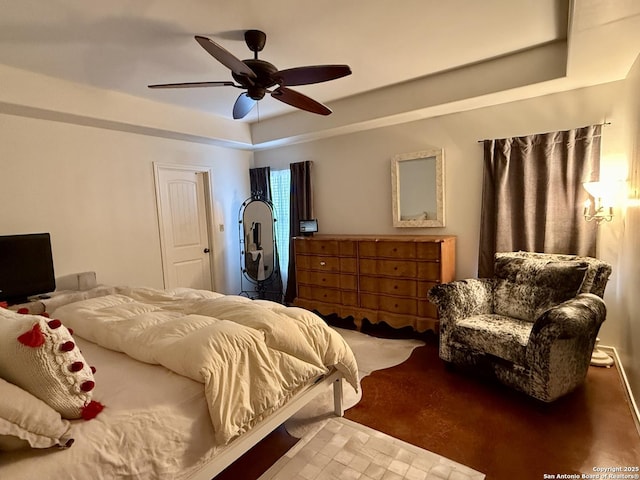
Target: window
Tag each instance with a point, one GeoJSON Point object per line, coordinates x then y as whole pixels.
{"type": "Point", "coordinates": [280, 197]}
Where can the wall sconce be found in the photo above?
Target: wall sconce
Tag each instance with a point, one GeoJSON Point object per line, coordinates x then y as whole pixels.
{"type": "Point", "coordinates": [597, 213]}
{"type": "Point", "coordinates": [601, 209]}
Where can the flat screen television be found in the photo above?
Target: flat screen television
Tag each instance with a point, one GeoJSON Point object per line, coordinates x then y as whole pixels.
{"type": "Point", "coordinates": [308, 227]}
{"type": "Point", "coordinates": [26, 267]}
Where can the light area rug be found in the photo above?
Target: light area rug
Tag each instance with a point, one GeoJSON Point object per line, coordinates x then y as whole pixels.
{"type": "Point", "coordinates": [371, 354]}
{"type": "Point", "coordinates": [346, 450]}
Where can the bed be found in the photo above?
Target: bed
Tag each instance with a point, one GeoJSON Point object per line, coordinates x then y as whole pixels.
{"type": "Point", "coordinates": [189, 381]}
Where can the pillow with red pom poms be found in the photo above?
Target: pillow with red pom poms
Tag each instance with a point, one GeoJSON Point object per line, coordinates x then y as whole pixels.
{"type": "Point", "coordinates": [39, 355]}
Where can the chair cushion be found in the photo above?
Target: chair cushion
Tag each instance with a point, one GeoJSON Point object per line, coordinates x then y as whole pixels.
{"type": "Point", "coordinates": [526, 287]}
{"type": "Point", "coordinates": [595, 280]}
{"type": "Point", "coordinates": [504, 337]}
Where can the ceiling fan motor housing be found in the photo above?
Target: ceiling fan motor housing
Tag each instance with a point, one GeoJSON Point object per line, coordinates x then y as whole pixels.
{"type": "Point", "coordinates": [265, 78]}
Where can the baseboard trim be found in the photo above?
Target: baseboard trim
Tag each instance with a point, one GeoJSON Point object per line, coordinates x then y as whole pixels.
{"type": "Point", "coordinates": [635, 413]}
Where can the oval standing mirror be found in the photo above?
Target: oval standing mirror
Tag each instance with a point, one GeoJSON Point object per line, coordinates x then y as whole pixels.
{"type": "Point", "coordinates": [259, 240]}
{"type": "Point", "coordinates": [258, 252]}
{"type": "Point", "coordinates": [417, 187]}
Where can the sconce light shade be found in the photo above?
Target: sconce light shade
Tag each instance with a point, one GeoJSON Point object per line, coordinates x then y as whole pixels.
{"type": "Point", "coordinates": [595, 189]}
{"type": "Point", "coordinates": [608, 190]}
{"type": "Point", "coordinates": [601, 189]}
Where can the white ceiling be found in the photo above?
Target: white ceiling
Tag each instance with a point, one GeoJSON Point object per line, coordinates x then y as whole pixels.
{"type": "Point", "coordinates": [124, 45]}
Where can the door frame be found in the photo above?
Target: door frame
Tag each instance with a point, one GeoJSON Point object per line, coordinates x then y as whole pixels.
{"type": "Point", "coordinates": [209, 213]}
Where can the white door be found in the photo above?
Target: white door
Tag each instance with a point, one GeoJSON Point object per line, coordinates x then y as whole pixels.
{"type": "Point", "coordinates": [183, 205]}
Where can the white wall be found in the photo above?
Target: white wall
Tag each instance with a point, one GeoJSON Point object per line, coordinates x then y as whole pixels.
{"type": "Point", "coordinates": [93, 189]}
{"type": "Point", "coordinates": [353, 186]}
{"type": "Point", "coordinates": [620, 240]}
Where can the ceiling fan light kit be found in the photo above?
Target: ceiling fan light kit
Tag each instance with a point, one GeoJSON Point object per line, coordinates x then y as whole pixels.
{"type": "Point", "coordinates": [258, 77]}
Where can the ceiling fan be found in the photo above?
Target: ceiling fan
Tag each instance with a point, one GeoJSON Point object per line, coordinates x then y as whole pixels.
{"type": "Point", "coordinates": [258, 76]}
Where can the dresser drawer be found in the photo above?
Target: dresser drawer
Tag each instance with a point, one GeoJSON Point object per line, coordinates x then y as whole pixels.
{"type": "Point", "coordinates": [428, 250]}
{"type": "Point", "coordinates": [313, 262]}
{"type": "Point", "coordinates": [388, 267]}
{"type": "Point", "coordinates": [348, 265]}
{"type": "Point", "coordinates": [344, 248]}
{"type": "Point", "coordinates": [347, 248]}
{"type": "Point", "coordinates": [429, 271]}
{"type": "Point", "coordinates": [326, 279]}
{"type": "Point", "coordinates": [322, 247]}
{"type": "Point", "coordinates": [406, 306]}
{"type": "Point", "coordinates": [388, 249]}
{"type": "Point", "coordinates": [319, 293]}
{"type": "Point", "coordinates": [327, 295]}
{"type": "Point", "coordinates": [389, 286]}
{"type": "Point", "coordinates": [350, 298]}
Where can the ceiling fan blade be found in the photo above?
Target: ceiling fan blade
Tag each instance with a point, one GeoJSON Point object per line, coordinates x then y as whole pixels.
{"type": "Point", "coordinates": [193, 84]}
{"type": "Point", "coordinates": [225, 57]}
{"type": "Point", "coordinates": [312, 74]}
{"type": "Point", "coordinates": [243, 105]}
{"type": "Point", "coordinates": [298, 100]}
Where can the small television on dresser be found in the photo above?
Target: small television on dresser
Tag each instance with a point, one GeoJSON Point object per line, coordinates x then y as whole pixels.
{"type": "Point", "coordinates": [26, 267]}
{"type": "Point", "coordinates": [309, 227]}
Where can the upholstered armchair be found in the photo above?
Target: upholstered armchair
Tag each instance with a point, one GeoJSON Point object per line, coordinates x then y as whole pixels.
{"type": "Point", "coordinates": [532, 326]}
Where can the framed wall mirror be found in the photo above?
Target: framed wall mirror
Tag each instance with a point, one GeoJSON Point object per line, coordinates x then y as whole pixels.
{"type": "Point", "coordinates": [417, 189]}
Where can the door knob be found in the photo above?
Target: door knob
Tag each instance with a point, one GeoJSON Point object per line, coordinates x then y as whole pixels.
{"type": "Point", "coordinates": [206, 250]}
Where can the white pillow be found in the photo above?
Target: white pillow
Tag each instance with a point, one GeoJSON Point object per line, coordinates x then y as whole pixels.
{"type": "Point", "coordinates": [40, 356]}
{"type": "Point", "coordinates": [26, 421]}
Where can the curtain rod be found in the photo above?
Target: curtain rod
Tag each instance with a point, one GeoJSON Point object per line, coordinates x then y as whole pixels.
{"type": "Point", "coordinates": [603, 124]}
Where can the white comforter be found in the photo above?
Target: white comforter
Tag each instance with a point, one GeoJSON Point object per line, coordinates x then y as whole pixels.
{"type": "Point", "coordinates": [251, 355]}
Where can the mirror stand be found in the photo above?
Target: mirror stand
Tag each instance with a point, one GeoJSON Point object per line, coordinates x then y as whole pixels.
{"type": "Point", "coordinates": [258, 252]}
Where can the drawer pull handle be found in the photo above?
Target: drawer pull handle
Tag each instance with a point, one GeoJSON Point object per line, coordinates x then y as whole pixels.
{"type": "Point", "coordinates": [323, 263]}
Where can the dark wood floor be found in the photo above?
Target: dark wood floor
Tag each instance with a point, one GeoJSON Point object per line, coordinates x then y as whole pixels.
{"type": "Point", "coordinates": [483, 425]}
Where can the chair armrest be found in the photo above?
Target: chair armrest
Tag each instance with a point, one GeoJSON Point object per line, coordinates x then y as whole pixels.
{"type": "Point", "coordinates": [580, 315]}
{"type": "Point", "coordinates": [458, 300]}
{"type": "Point", "coordinates": [561, 343]}
{"type": "Point", "coordinates": [462, 298]}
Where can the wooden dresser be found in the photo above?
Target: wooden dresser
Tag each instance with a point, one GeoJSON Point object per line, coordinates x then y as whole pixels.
{"type": "Point", "coordinates": [380, 278]}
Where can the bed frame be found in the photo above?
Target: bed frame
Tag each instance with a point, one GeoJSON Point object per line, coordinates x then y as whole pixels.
{"type": "Point", "coordinates": [245, 442]}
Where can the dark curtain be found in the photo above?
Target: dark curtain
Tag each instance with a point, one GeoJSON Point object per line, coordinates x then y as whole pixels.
{"type": "Point", "coordinates": [301, 209]}
{"type": "Point", "coordinates": [532, 195]}
{"type": "Point", "coordinates": [259, 179]}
